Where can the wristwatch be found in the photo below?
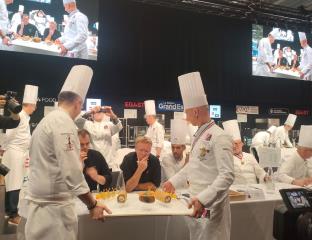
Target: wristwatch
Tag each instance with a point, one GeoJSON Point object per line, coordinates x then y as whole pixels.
{"type": "Point", "coordinates": [92, 206]}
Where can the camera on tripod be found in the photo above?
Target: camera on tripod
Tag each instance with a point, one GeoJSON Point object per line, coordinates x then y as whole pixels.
{"type": "Point", "coordinates": [11, 104]}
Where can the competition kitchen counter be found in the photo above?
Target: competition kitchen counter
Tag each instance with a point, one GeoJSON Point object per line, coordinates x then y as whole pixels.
{"type": "Point", "coordinates": [252, 218]}
{"type": "Point", "coordinates": [42, 47]}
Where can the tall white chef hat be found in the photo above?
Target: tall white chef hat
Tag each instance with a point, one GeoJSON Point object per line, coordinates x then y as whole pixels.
{"type": "Point", "coordinates": [68, 1]}
{"type": "Point", "coordinates": [275, 32]}
{"type": "Point", "coordinates": [150, 108]}
{"type": "Point", "coordinates": [21, 8]}
{"type": "Point", "coordinates": [305, 136]}
{"type": "Point", "coordinates": [291, 120]}
{"type": "Point", "coordinates": [178, 131]}
{"type": "Point", "coordinates": [78, 80]}
{"type": "Point", "coordinates": [302, 36]}
{"type": "Point", "coordinates": [30, 94]}
{"type": "Point", "coordinates": [192, 90]}
{"type": "Point", "coordinates": [231, 127]}
{"type": "Point", "coordinates": [271, 129]}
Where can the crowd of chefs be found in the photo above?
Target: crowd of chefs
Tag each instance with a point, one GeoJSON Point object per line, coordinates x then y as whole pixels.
{"type": "Point", "coordinates": [69, 154]}
{"type": "Point", "coordinates": [74, 42]}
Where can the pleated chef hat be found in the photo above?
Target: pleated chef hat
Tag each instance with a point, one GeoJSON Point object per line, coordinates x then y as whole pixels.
{"type": "Point", "coordinates": [231, 127]}
{"type": "Point", "coordinates": [178, 131]}
{"type": "Point", "coordinates": [150, 108]}
{"type": "Point", "coordinates": [78, 80]}
{"type": "Point", "coordinates": [68, 1]}
{"type": "Point", "coordinates": [305, 136]}
{"type": "Point", "coordinates": [275, 32]}
{"type": "Point", "coordinates": [30, 94]}
{"type": "Point", "coordinates": [302, 36]}
{"type": "Point", "coordinates": [192, 90]}
{"type": "Point", "coordinates": [291, 120]}
{"type": "Point", "coordinates": [21, 8]}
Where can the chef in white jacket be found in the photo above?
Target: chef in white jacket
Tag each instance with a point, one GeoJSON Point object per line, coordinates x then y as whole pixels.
{"type": "Point", "coordinates": [17, 152]}
{"type": "Point", "coordinates": [210, 171]}
{"type": "Point", "coordinates": [175, 160]}
{"type": "Point", "coordinates": [261, 139]}
{"type": "Point", "coordinates": [296, 169]}
{"type": "Point", "coordinates": [246, 168]}
{"type": "Point", "coordinates": [102, 131]}
{"type": "Point", "coordinates": [280, 136]}
{"type": "Point", "coordinates": [73, 42]}
{"type": "Point", "coordinates": [55, 176]}
{"type": "Point", "coordinates": [155, 131]}
{"type": "Point", "coordinates": [4, 24]}
{"type": "Point", "coordinates": [265, 59]}
{"type": "Point", "coordinates": [17, 19]}
{"type": "Point", "coordinates": [305, 66]}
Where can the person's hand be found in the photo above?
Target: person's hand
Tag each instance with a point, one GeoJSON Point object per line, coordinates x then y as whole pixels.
{"type": "Point", "coordinates": [168, 187]}
{"type": "Point", "coordinates": [83, 156]}
{"type": "Point", "coordinates": [2, 101]}
{"type": "Point", "coordinates": [92, 173]}
{"type": "Point", "coordinates": [142, 164]}
{"type": "Point", "coordinates": [198, 207]}
{"type": "Point", "coordinates": [57, 42]}
{"type": "Point", "coordinates": [64, 51]}
{"type": "Point", "coordinates": [97, 213]}
{"type": "Point", "coordinates": [300, 182]}
{"type": "Point", "coordinates": [109, 112]}
{"type": "Point", "coordinates": [6, 41]}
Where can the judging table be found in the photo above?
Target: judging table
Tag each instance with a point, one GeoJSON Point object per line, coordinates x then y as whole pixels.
{"type": "Point", "coordinates": [286, 73]}
{"type": "Point", "coordinates": [251, 219]}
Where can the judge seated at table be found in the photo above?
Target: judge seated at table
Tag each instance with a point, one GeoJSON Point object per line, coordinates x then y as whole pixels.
{"type": "Point", "coordinates": [246, 168]}
{"type": "Point", "coordinates": [95, 169]}
{"type": "Point", "coordinates": [141, 169]}
{"type": "Point", "coordinates": [26, 28]}
{"type": "Point", "coordinates": [296, 169]}
{"type": "Point", "coordinates": [175, 160]}
{"type": "Point", "coordinates": [51, 33]}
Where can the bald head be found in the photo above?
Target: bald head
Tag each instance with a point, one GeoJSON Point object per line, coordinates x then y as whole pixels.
{"type": "Point", "coordinates": [198, 116]}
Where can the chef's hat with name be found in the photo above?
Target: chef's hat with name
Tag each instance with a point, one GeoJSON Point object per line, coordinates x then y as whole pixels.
{"type": "Point", "coordinates": [275, 32]}
{"type": "Point", "coordinates": [178, 131]}
{"type": "Point", "coordinates": [68, 1]}
{"type": "Point", "coordinates": [150, 108]}
{"type": "Point", "coordinates": [21, 8]}
{"type": "Point", "coordinates": [192, 90]}
{"type": "Point", "coordinates": [231, 127]}
{"type": "Point", "coordinates": [302, 36]}
{"type": "Point", "coordinates": [271, 129]}
{"type": "Point", "coordinates": [305, 136]}
{"type": "Point", "coordinates": [30, 94]}
{"type": "Point", "coordinates": [78, 80]}
{"type": "Point", "coordinates": [291, 120]}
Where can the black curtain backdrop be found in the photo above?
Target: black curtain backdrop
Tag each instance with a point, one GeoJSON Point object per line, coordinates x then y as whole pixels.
{"type": "Point", "coordinates": [142, 50]}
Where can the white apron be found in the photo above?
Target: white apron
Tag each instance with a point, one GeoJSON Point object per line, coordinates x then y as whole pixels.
{"type": "Point", "coordinates": [14, 160]}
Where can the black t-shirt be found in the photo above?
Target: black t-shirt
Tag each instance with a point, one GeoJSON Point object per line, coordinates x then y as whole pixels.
{"type": "Point", "coordinates": [55, 35]}
{"type": "Point", "coordinates": [8, 123]}
{"type": "Point", "coordinates": [151, 174]}
{"type": "Point", "coordinates": [95, 159]}
{"type": "Point", "coordinates": [29, 30]}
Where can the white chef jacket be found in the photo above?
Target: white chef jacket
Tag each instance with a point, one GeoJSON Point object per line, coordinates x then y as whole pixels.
{"type": "Point", "coordinates": [171, 166]}
{"type": "Point", "coordinates": [156, 133]}
{"type": "Point", "coordinates": [55, 159]}
{"type": "Point", "coordinates": [294, 167]}
{"type": "Point", "coordinates": [247, 170]}
{"type": "Point", "coordinates": [101, 136]}
{"type": "Point", "coordinates": [306, 63]}
{"type": "Point", "coordinates": [281, 137]}
{"type": "Point", "coordinates": [75, 35]}
{"type": "Point", "coordinates": [15, 21]}
{"type": "Point", "coordinates": [210, 173]}
{"type": "Point", "coordinates": [4, 17]}
{"type": "Point", "coordinates": [265, 52]}
{"type": "Point", "coordinates": [261, 139]}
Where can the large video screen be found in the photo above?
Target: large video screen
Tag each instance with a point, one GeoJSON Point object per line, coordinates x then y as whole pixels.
{"type": "Point", "coordinates": [281, 53]}
{"type": "Point", "coordinates": [49, 27]}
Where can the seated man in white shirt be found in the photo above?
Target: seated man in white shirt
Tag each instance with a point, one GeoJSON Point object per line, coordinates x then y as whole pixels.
{"type": "Point", "coordinates": [246, 168]}
{"type": "Point", "coordinates": [174, 161]}
{"type": "Point", "coordinates": [296, 169]}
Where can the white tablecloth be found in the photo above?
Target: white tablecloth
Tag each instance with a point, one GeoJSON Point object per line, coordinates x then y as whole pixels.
{"type": "Point", "coordinates": [251, 219]}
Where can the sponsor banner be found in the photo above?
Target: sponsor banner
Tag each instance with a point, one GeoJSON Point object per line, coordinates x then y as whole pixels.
{"type": "Point", "coordinates": [169, 106]}
{"type": "Point", "coordinates": [247, 109]}
{"type": "Point", "coordinates": [303, 112]}
{"type": "Point", "coordinates": [279, 111]}
{"type": "Point", "coordinates": [47, 99]}
{"type": "Point", "coordinates": [133, 104]}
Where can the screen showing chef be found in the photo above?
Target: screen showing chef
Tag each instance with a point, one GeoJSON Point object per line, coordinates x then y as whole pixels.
{"type": "Point", "coordinates": [298, 199]}
{"type": "Point", "coordinates": [66, 28]}
{"type": "Point", "coordinates": [281, 53]}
